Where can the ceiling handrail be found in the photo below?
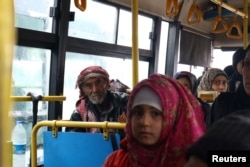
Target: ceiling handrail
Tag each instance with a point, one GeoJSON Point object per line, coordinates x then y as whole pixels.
{"type": "Point", "coordinates": [217, 21]}
{"type": "Point", "coordinates": [230, 8]}
{"type": "Point", "coordinates": [240, 13]}
{"type": "Point", "coordinates": [231, 33]}
{"type": "Point", "coordinates": [81, 4]}
{"type": "Point", "coordinates": [194, 14]}
{"type": "Point", "coordinates": [172, 8]}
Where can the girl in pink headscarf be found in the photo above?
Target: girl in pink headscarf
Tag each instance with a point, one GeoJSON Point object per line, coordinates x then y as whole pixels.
{"type": "Point", "coordinates": [163, 121]}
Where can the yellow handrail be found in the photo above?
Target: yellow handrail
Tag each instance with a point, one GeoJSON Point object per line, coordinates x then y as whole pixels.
{"type": "Point", "coordinates": [44, 98]}
{"type": "Point", "coordinates": [105, 125]}
{"type": "Point", "coordinates": [7, 39]}
{"type": "Point", "coordinates": [230, 8]}
{"type": "Point", "coordinates": [135, 52]}
{"type": "Point", "coordinates": [244, 15]}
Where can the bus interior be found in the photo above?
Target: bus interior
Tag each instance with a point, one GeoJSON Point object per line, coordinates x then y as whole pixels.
{"type": "Point", "coordinates": [56, 39]}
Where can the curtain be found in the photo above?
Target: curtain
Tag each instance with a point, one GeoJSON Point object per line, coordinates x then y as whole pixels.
{"type": "Point", "coordinates": [195, 49]}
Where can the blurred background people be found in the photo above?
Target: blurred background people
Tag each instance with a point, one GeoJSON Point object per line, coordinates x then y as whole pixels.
{"type": "Point", "coordinates": [229, 102]}
{"type": "Point", "coordinates": [237, 64]}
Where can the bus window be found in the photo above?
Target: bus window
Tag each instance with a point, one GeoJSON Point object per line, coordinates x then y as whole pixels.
{"type": "Point", "coordinates": [33, 15]}
{"type": "Point", "coordinates": [102, 26]}
{"type": "Point", "coordinates": [145, 25]}
{"type": "Point", "coordinates": [221, 59]}
{"type": "Point", "coordinates": [163, 47]}
{"type": "Point", "coordinates": [196, 70]}
{"type": "Point", "coordinates": [97, 22]}
{"type": "Point", "coordinates": [30, 73]}
{"type": "Point", "coordinates": [116, 67]}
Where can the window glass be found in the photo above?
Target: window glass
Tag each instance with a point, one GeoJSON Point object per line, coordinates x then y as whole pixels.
{"type": "Point", "coordinates": [30, 74]}
{"type": "Point", "coordinates": [145, 25]}
{"type": "Point", "coordinates": [33, 14]}
{"type": "Point", "coordinates": [97, 22]}
{"type": "Point", "coordinates": [163, 47]}
{"type": "Point", "coordinates": [221, 59]}
{"type": "Point", "coordinates": [117, 68]}
{"type": "Point", "coordinates": [196, 70]}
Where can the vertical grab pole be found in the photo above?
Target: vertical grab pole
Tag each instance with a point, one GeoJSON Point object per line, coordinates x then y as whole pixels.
{"type": "Point", "coordinates": [7, 39]}
{"type": "Point", "coordinates": [135, 52]}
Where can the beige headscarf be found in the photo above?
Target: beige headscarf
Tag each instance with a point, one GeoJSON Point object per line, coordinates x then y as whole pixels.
{"type": "Point", "coordinates": [208, 78]}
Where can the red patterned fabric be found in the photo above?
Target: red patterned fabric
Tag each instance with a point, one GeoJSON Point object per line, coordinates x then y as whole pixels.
{"type": "Point", "coordinates": [182, 125]}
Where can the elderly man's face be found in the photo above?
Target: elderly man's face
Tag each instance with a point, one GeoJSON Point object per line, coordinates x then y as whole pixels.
{"type": "Point", "coordinates": [246, 73]}
{"type": "Point", "coordinates": [95, 89]}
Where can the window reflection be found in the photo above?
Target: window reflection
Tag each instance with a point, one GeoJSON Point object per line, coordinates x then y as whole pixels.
{"type": "Point", "coordinates": [33, 14]}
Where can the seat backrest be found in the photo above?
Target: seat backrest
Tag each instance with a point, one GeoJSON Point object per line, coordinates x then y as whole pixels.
{"type": "Point", "coordinates": [72, 149]}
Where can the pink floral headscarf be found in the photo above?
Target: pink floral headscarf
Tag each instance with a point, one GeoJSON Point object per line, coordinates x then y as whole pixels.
{"type": "Point", "coordinates": [182, 125]}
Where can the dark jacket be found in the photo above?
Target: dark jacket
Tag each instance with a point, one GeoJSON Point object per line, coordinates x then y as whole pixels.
{"type": "Point", "coordinates": [229, 102]}
{"type": "Point", "coordinates": [205, 108]}
{"type": "Point", "coordinates": [234, 81]}
{"type": "Point", "coordinates": [119, 101]}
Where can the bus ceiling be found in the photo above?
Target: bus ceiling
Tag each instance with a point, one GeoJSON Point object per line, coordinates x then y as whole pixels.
{"type": "Point", "coordinates": [229, 25]}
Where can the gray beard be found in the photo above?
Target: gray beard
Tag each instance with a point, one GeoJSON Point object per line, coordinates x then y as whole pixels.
{"type": "Point", "coordinates": [98, 100]}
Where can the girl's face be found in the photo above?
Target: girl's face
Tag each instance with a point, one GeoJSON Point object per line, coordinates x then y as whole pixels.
{"type": "Point", "coordinates": [146, 123]}
{"type": "Point", "coordinates": [220, 84]}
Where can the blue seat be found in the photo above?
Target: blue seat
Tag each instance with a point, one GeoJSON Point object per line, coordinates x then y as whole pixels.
{"type": "Point", "coordinates": [72, 149]}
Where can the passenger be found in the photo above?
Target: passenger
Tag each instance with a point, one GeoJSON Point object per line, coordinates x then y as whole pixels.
{"type": "Point", "coordinates": [96, 102]}
{"type": "Point", "coordinates": [229, 102]}
{"type": "Point", "coordinates": [236, 78]}
{"type": "Point", "coordinates": [228, 134]}
{"type": "Point", "coordinates": [214, 79]}
{"type": "Point", "coordinates": [200, 77]}
{"type": "Point", "coordinates": [229, 70]}
{"type": "Point", "coordinates": [163, 121]}
{"type": "Point", "coordinates": [189, 81]}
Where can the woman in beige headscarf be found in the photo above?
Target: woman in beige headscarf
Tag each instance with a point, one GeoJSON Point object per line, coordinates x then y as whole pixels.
{"type": "Point", "coordinates": [214, 79]}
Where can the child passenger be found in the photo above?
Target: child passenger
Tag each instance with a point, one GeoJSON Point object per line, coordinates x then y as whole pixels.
{"type": "Point", "coordinates": [163, 121]}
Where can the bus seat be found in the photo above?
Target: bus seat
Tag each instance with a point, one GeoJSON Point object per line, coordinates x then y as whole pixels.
{"type": "Point", "coordinates": [77, 149]}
